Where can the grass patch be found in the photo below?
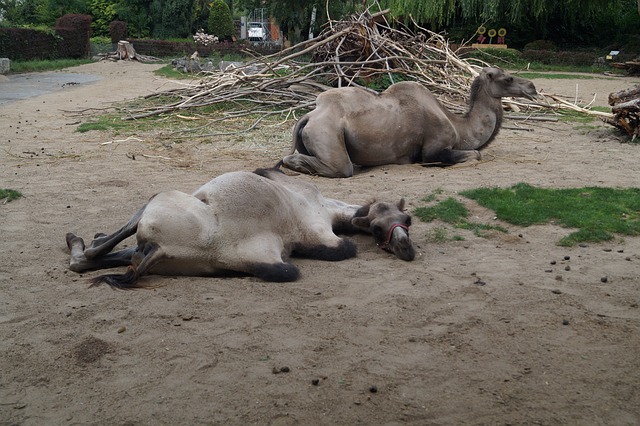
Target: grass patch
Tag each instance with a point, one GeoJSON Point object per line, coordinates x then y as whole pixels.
{"type": "Point", "coordinates": [454, 213]}
{"type": "Point", "coordinates": [440, 235]}
{"type": "Point", "coordinates": [559, 76]}
{"type": "Point", "coordinates": [7, 195]}
{"type": "Point", "coordinates": [597, 213]}
{"type": "Point", "coordinates": [449, 211]}
{"type": "Point", "coordinates": [49, 65]}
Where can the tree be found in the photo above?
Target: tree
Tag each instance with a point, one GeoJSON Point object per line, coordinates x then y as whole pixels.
{"type": "Point", "coordinates": [294, 16]}
{"type": "Point", "coordinates": [585, 21]}
{"type": "Point", "coordinates": [171, 18]}
{"type": "Point", "coordinates": [137, 15]}
{"type": "Point", "coordinates": [102, 12]}
{"type": "Point", "coordinates": [220, 21]}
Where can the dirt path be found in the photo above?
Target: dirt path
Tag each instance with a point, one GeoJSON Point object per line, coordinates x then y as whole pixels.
{"type": "Point", "coordinates": [372, 340]}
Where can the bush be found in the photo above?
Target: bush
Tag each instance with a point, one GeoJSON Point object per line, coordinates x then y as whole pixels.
{"type": "Point", "coordinates": [23, 44]}
{"type": "Point", "coordinates": [220, 21]}
{"type": "Point", "coordinates": [118, 31]}
{"type": "Point", "coordinates": [75, 31]}
{"type": "Point", "coordinates": [540, 45]}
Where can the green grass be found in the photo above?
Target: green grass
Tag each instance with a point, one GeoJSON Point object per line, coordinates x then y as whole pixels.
{"type": "Point", "coordinates": [559, 76]}
{"type": "Point", "coordinates": [453, 213]}
{"type": "Point", "coordinates": [7, 195]}
{"type": "Point", "coordinates": [49, 65]}
{"type": "Point", "coordinates": [597, 213]}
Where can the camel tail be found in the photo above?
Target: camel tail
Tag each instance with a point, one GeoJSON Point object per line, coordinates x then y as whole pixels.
{"type": "Point", "coordinates": [297, 136]}
{"type": "Point", "coordinates": [126, 281]}
{"type": "Point", "coordinates": [147, 254]}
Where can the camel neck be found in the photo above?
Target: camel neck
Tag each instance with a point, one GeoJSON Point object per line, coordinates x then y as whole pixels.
{"type": "Point", "coordinates": [481, 123]}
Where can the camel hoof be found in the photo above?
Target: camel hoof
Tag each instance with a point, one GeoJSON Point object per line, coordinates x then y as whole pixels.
{"type": "Point", "coordinates": [73, 240]}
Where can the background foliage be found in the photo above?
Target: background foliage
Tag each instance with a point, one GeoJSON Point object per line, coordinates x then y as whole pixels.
{"type": "Point", "coordinates": [567, 23]}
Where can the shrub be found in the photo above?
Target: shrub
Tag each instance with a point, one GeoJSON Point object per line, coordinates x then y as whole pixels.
{"type": "Point", "coordinates": [220, 21]}
{"type": "Point", "coordinates": [118, 31]}
{"type": "Point", "coordinates": [75, 31]}
{"type": "Point", "coordinates": [540, 45]}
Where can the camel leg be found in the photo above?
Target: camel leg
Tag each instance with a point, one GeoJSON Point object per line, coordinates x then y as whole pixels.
{"type": "Point", "coordinates": [142, 258]}
{"type": "Point", "coordinates": [319, 152]}
{"type": "Point", "coordinates": [260, 255]}
{"type": "Point", "coordinates": [103, 244]}
{"type": "Point", "coordinates": [80, 263]}
{"type": "Point", "coordinates": [453, 156]}
{"type": "Point", "coordinates": [315, 166]}
{"type": "Point", "coordinates": [325, 245]}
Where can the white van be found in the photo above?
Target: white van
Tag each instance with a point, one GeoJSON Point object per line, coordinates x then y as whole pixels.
{"type": "Point", "coordinates": [257, 31]}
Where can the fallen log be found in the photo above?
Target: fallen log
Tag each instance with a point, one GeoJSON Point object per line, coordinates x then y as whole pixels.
{"type": "Point", "coordinates": [625, 106]}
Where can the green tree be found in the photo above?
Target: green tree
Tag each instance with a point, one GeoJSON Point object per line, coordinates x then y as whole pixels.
{"type": "Point", "coordinates": [571, 21]}
{"type": "Point", "coordinates": [47, 11]}
{"type": "Point", "coordinates": [220, 21]}
{"type": "Point", "coordinates": [137, 15]}
{"type": "Point", "coordinates": [102, 13]}
{"type": "Point", "coordinates": [200, 20]}
{"type": "Point", "coordinates": [171, 18]}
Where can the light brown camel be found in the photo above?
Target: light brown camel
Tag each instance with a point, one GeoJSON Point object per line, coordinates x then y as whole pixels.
{"type": "Point", "coordinates": [404, 124]}
{"type": "Point", "coordinates": [240, 222]}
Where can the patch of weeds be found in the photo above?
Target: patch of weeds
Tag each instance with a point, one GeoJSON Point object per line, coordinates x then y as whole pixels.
{"type": "Point", "coordinates": [481, 229]}
{"type": "Point", "coordinates": [169, 71]}
{"type": "Point", "coordinates": [575, 116]}
{"type": "Point", "coordinates": [440, 234]}
{"type": "Point", "coordinates": [449, 211]}
{"type": "Point", "coordinates": [558, 76]}
{"type": "Point", "coordinates": [454, 213]}
{"type": "Point", "coordinates": [597, 213]}
{"type": "Point", "coordinates": [7, 195]}
{"type": "Point", "coordinates": [433, 196]}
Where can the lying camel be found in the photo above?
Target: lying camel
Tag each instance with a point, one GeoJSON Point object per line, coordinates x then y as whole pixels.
{"type": "Point", "coordinates": [404, 124]}
{"type": "Point", "coordinates": [240, 222]}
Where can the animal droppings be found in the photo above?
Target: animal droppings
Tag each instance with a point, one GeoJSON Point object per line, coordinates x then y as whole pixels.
{"type": "Point", "coordinates": [565, 322]}
{"type": "Point", "coordinates": [315, 382]}
{"type": "Point", "coordinates": [373, 389]}
{"type": "Point", "coordinates": [604, 279]}
{"type": "Point", "coordinates": [567, 257]}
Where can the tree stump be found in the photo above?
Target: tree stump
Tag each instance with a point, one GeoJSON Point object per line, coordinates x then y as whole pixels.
{"type": "Point", "coordinates": [125, 51]}
{"type": "Point", "coordinates": [625, 106]}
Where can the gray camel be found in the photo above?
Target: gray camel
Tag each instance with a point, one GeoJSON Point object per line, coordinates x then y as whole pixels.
{"type": "Point", "coordinates": [248, 223]}
{"type": "Point", "coordinates": [402, 125]}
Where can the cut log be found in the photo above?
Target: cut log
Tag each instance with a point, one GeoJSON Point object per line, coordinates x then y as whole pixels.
{"type": "Point", "coordinates": [625, 106]}
{"type": "Point", "coordinates": [624, 95]}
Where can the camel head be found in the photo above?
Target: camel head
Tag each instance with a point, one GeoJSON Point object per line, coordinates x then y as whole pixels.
{"type": "Point", "coordinates": [498, 83]}
{"type": "Point", "coordinates": [389, 226]}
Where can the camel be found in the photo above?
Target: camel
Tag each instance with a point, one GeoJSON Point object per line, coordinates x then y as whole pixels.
{"type": "Point", "coordinates": [402, 125]}
{"type": "Point", "coordinates": [240, 222]}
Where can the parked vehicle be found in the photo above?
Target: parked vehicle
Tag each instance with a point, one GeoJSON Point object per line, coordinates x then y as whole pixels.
{"type": "Point", "coordinates": [257, 31]}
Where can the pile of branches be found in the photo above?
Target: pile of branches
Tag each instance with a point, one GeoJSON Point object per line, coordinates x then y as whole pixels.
{"type": "Point", "coordinates": [352, 52]}
{"type": "Point", "coordinates": [358, 51]}
{"type": "Point", "coordinates": [625, 106]}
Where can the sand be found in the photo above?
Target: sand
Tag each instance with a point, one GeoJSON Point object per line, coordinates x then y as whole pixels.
{"type": "Point", "coordinates": [503, 329]}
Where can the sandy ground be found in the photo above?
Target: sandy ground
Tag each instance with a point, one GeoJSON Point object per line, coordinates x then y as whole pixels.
{"type": "Point", "coordinates": [509, 329]}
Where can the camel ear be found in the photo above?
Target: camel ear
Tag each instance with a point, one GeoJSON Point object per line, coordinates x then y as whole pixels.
{"type": "Point", "coordinates": [401, 204]}
{"type": "Point", "coordinates": [361, 222]}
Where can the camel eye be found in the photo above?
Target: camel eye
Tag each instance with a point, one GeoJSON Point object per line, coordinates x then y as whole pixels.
{"type": "Point", "coordinates": [407, 221]}
{"type": "Point", "coordinates": [509, 80]}
{"type": "Point", "coordinates": [377, 231]}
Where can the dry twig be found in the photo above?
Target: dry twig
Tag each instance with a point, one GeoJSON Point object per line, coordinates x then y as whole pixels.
{"type": "Point", "coordinates": [359, 50]}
